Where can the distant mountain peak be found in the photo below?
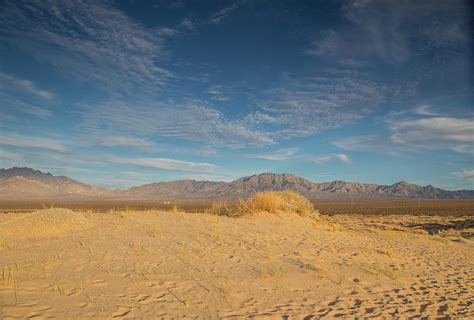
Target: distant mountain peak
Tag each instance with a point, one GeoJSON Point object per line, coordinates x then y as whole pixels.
{"type": "Point", "coordinates": [22, 172]}
{"type": "Point", "coordinates": [27, 182]}
{"type": "Point", "coordinates": [24, 182]}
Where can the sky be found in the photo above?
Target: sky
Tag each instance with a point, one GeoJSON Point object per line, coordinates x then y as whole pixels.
{"type": "Point", "coordinates": [122, 93]}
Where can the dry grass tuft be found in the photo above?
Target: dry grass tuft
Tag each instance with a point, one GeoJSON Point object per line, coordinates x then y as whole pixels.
{"type": "Point", "coordinates": [277, 202]}
{"type": "Point", "coordinates": [268, 201]}
{"type": "Point", "coordinates": [46, 222]}
{"type": "Point", "coordinates": [222, 208]}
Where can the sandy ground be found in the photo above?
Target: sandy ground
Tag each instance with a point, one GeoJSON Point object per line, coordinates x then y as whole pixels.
{"type": "Point", "coordinates": [175, 265]}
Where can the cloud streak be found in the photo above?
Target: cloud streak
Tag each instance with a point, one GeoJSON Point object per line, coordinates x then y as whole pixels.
{"type": "Point", "coordinates": [16, 92]}
{"type": "Point", "coordinates": [307, 105]}
{"type": "Point", "coordinates": [222, 14]}
{"type": "Point", "coordinates": [87, 40]}
{"type": "Point", "coordinates": [329, 157]}
{"type": "Point", "coordinates": [9, 82]}
{"type": "Point", "coordinates": [387, 30]}
{"type": "Point", "coordinates": [278, 155]}
{"type": "Point", "coordinates": [194, 120]}
{"type": "Point", "coordinates": [120, 141]}
{"type": "Point", "coordinates": [22, 141]}
{"type": "Point", "coordinates": [435, 133]}
{"type": "Point", "coordinates": [162, 163]}
{"type": "Point", "coordinates": [465, 175]}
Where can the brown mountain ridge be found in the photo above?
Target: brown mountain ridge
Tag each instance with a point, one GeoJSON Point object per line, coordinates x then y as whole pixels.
{"type": "Point", "coordinates": [20, 183]}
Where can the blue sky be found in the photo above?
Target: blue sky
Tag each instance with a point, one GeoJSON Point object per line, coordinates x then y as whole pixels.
{"type": "Point", "coordinates": [121, 93]}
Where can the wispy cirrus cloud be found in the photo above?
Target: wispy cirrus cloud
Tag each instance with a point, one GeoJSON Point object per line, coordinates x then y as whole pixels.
{"type": "Point", "coordinates": [387, 30]}
{"type": "Point", "coordinates": [432, 133]}
{"type": "Point", "coordinates": [217, 93]}
{"type": "Point", "coordinates": [193, 120]}
{"type": "Point", "coordinates": [34, 142]}
{"type": "Point", "coordinates": [225, 12]}
{"type": "Point", "coordinates": [121, 141]}
{"type": "Point", "coordinates": [465, 175]}
{"type": "Point", "coordinates": [162, 163]}
{"type": "Point", "coordinates": [371, 143]}
{"type": "Point", "coordinates": [425, 110]}
{"type": "Point", "coordinates": [87, 40]}
{"type": "Point", "coordinates": [10, 83]}
{"type": "Point", "coordinates": [10, 102]}
{"type": "Point", "coordinates": [435, 133]}
{"type": "Point", "coordinates": [303, 106]}
{"type": "Point", "coordinates": [329, 157]}
{"type": "Point", "coordinates": [277, 155]}
{"type": "Point", "coordinates": [16, 94]}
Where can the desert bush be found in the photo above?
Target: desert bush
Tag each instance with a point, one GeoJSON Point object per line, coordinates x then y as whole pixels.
{"type": "Point", "coordinates": [294, 202]}
{"type": "Point", "coordinates": [267, 201]}
{"type": "Point", "coordinates": [222, 208]}
{"type": "Point", "coordinates": [274, 202]}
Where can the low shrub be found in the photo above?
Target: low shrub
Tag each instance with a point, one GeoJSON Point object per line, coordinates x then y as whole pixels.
{"type": "Point", "coordinates": [266, 201]}
{"type": "Point", "coordinates": [222, 208]}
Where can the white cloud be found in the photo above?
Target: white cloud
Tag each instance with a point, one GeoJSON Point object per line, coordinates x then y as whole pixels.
{"type": "Point", "coordinates": [194, 120]}
{"type": "Point", "coordinates": [465, 175]}
{"type": "Point", "coordinates": [217, 93]}
{"type": "Point", "coordinates": [21, 141]}
{"type": "Point", "coordinates": [187, 25]}
{"type": "Point", "coordinates": [304, 106]}
{"type": "Point", "coordinates": [222, 14]}
{"type": "Point", "coordinates": [392, 30]}
{"type": "Point", "coordinates": [463, 148]}
{"type": "Point", "coordinates": [11, 82]}
{"type": "Point", "coordinates": [87, 40]}
{"type": "Point", "coordinates": [120, 141]}
{"type": "Point", "coordinates": [329, 157]}
{"type": "Point", "coordinates": [6, 155]}
{"type": "Point", "coordinates": [425, 110]}
{"type": "Point", "coordinates": [435, 133]}
{"type": "Point", "coordinates": [15, 92]}
{"type": "Point", "coordinates": [278, 155]}
{"type": "Point", "coordinates": [8, 101]}
{"type": "Point", "coordinates": [412, 135]}
{"type": "Point", "coordinates": [162, 163]}
{"type": "Point", "coordinates": [343, 158]}
{"type": "Point", "coordinates": [372, 143]}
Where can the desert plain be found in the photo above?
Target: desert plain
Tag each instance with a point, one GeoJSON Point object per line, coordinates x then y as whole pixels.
{"type": "Point", "coordinates": [151, 263]}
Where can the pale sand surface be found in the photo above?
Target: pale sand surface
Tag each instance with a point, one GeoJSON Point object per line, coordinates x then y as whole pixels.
{"type": "Point", "coordinates": [176, 265]}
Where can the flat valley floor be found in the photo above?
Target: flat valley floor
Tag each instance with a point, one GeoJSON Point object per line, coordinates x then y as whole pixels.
{"type": "Point", "coordinates": [153, 264]}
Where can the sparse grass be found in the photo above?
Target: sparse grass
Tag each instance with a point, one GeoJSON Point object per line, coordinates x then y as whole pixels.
{"type": "Point", "coordinates": [46, 222]}
{"type": "Point", "coordinates": [153, 231]}
{"type": "Point", "coordinates": [378, 269]}
{"type": "Point", "coordinates": [267, 201]}
{"type": "Point", "coordinates": [7, 246]}
{"type": "Point", "coordinates": [388, 252]}
{"type": "Point", "coordinates": [222, 208]}
{"type": "Point", "coordinates": [7, 275]}
{"type": "Point", "coordinates": [276, 202]}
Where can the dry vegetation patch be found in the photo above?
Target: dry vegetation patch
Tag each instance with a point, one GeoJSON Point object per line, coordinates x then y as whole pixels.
{"type": "Point", "coordinates": [286, 202]}
{"type": "Point", "coordinates": [46, 222]}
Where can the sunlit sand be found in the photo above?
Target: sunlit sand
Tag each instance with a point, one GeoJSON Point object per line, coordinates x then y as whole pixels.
{"type": "Point", "coordinates": [152, 264]}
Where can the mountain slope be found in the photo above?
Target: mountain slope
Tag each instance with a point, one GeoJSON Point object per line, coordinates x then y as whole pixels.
{"type": "Point", "coordinates": [29, 183]}
{"type": "Point", "coordinates": [244, 187]}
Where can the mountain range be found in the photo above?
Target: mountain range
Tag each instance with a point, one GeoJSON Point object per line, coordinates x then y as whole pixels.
{"type": "Point", "coordinates": [18, 183]}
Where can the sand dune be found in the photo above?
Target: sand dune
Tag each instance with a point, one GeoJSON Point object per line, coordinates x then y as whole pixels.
{"type": "Point", "coordinates": [178, 265]}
